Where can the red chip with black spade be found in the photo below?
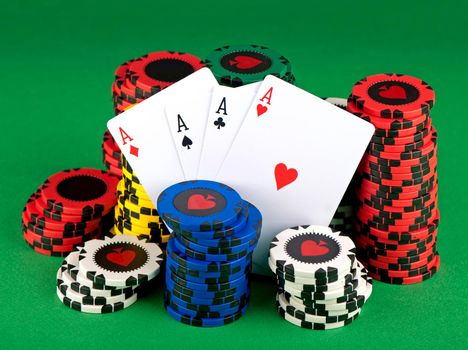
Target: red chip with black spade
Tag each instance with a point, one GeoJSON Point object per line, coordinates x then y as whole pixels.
{"type": "Point", "coordinates": [245, 64]}
{"type": "Point", "coordinates": [393, 96]}
{"type": "Point", "coordinates": [120, 261]}
{"type": "Point", "coordinates": [315, 252]}
{"type": "Point", "coordinates": [199, 206]}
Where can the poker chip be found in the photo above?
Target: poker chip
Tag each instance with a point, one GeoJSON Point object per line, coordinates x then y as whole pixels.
{"type": "Point", "coordinates": [68, 209]}
{"type": "Point", "coordinates": [312, 251]}
{"type": "Point", "coordinates": [245, 64]}
{"type": "Point", "coordinates": [80, 192]}
{"type": "Point", "coordinates": [300, 255]}
{"type": "Point", "coordinates": [135, 213]}
{"type": "Point", "coordinates": [396, 213]}
{"type": "Point", "coordinates": [199, 206]}
{"type": "Point", "coordinates": [393, 96]}
{"type": "Point", "coordinates": [120, 261]}
{"type": "Point", "coordinates": [209, 253]}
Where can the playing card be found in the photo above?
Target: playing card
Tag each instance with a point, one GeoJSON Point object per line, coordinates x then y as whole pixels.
{"type": "Point", "coordinates": [293, 158]}
{"type": "Point", "coordinates": [143, 135]}
{"type": "Point", "coordinates": [226, 113]}
{"type": "Point", "coordinates": [187, 123]}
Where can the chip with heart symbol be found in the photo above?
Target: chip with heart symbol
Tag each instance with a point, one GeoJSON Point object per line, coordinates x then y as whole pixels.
{"type": "Point", "coordinates": [120, 261]}
{"type": "Point", "coordinates": [199, 205]}
{"type": "Point", "coordinates": [317, 252]}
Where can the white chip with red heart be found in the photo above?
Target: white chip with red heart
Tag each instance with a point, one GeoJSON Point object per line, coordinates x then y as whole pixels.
{"type": "Point", "coordinates": [120, 261]}
{"type": "Point", "coordinates": [315, 252]}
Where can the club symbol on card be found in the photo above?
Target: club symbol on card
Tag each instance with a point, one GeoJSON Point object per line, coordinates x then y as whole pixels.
{"type": "Point", "coordinates": [187, 142]}
{"type": "Point", "coordinates": [219, 123]}
{"type": "Point", "coordinates": [284, 176]}
{"type": "Point", "coordinates": [134, 151]}
{"type": "Point", "coordinates": [261, 109]}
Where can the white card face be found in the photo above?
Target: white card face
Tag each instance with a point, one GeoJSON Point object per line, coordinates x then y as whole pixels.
{"type": "Point", "coordinates": [187, 123]}
{"type": "Point", "coordinates": [142, 134]}
{"type": "Point", "coordinates": [225, 116]}
{"type": "Point", "coordinates": [293, 158]}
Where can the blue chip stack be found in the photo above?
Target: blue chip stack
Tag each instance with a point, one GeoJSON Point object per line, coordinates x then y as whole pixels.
{"type": "Point", "coordinates": [209, 253]}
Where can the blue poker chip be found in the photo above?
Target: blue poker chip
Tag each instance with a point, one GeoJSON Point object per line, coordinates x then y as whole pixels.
{"type": "Point", "coordinates": [226, 231]}
{"type": "Point", "coordinates": [199, 205]}
{"type": "Point", "coordinates": [208, 301]}
{"type": "Point", "coordinates": [206, 280]}
{"type": "Point", "coordinates": [215, 250]}
{"type": "Point", "coordinates": [205, 322]}
{"type": "Point", "coordinates": [211, 257]}
{"type": "Point", "coordinates": [208, 306]}
{"type": "Point", "coordinates": [209, 274]}
{"type": "Point", "coordinates": [207, 287]}
{"type": "Point", "coordinates": [199, 314]}
{"type": "Point", "coordinates": [224, 294]}
{"type": "Point", "coordinates": [188, 262]}
{"type": "Point", "coordinates": [251, 231]}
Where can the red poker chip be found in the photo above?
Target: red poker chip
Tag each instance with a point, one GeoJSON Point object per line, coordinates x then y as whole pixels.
{"type": "Point", "coordinates": [400, 267]}
{"type": "Point", "coordinates": [385, 123]}
{"type": "Point", "coordinates": [379, 242]}
{"type": "Point", "coordinates": [398, 205]}
{"type": "Point", "coordinates": [369, 218]}
{"type": "Point", "coordinates": [400, 254]}
{"type": "Point", "coordinates": [111, 161]}
{"type": "Point", "coordinates": [397, 226]}
{"type": "Point", "coordinates": [81, 191]}
{"type": "Point", "coordinates": [402, 148]}
{"type": "Point", "coordinates": [110, 147]}
{"type": "Point", "coordinates": [367, 165]}
{"type": "Point", "coordinates": [397, 183]}
{"type": "Point", "coordinates": [395, 215]}
{"type": "Point", "coordinates": [402, 132]}
{"type": "Point", "coordinates": [47, 252]}
{"type": "Point", "coordinates": [399, 162]}
{"type": "Point", "coordinates": [388, 245]}
{"type": "Point", "coordinates": [393, 96]}
{"type": "Point", "coordinates": [402, 273]}
{"type": "Point", "coordinates": [430, 169]}
{"type": "Point", "coordinates": [409, 280]}
{"type": "Point", "coordinates": [158, 70]}
{"type": "Point", "coordinates": [368, 186]}
{"type": "Point", "coordinates": [60, 241]}
{"type": "Point", "coordinates": [396, 260]}
{"type": "Point", "coordinates": [422, 233]}
{"type": "Point", "coordinates": [416, 154]}
{"type": "Point", "coordinates": [404, 140]}
{"type": "Point", "coordinates": [53, 248]}
{"type": "Point", "coordinates": [396, 195]}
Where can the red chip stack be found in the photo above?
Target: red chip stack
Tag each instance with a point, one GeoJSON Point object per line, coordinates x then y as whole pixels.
{"type": "Point", "coordinates": [138, 79]}
{"type": "Point", "coordinates": [397, 216]}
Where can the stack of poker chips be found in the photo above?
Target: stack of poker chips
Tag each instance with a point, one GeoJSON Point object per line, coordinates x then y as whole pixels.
{"type": "Point", "coordinates": [245, 64]}
{"type": "Point", "coordinates": [71, 207]}
{"type": "Point", "coordinates": [397, 215]}
{"type": "Point", "coordinates": [135, 213]}
{"type": "Point", "coordinates": [321, 284]}
{"type": "Point", "coordinates": [140, 78]}
{"type": "Point", "coordinates": [209, 254]}
{"type": "Point", "coordinates": [104, 276]}
{"type": "Point", "coordinates": [343, 219]}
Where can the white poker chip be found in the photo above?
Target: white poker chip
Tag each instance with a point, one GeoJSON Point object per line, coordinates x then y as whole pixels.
{"type": "Point", "coordinates": [95, 309]}
{"type": "Point", "coordinates": [73, 295]}
{"type": "Point", "coordinates": [337, 101]}
{"type": "Point", "coordinates": [72, 277]}
{"type": "Point", "coordinates": [120, 261]}
{"type": "Point", "coordinates": [298, 313]}
{"type": "Point", "coordinates": [312, 252]}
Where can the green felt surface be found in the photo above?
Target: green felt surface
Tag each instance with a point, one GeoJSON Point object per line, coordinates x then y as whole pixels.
{"type": "Point", "coordinates": [56, 67]}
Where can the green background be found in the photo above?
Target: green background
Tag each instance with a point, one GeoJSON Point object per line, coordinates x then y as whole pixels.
{"type": "Point", "coordinates": [56, 67]}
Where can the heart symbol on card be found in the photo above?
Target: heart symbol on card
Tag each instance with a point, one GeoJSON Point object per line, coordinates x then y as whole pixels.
{"type": "Point", "coordinates": [122, 258]}
{"type": "Point", "coordinates": [261, 109]}
{"type": "Point", "coordinates": [245, 62]}
{"type": "Point", "coordinates": [312, 248]}
{"type": "Point", "coordinates": [284, 176]}
{"type": "Point", "coordinates": [393, 92]}
{"type": "Point", "coordinates": [200, 202]}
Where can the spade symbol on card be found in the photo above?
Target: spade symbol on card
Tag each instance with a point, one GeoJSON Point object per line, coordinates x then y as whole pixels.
{"type": "Point", "coordinates": [187, 142]}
